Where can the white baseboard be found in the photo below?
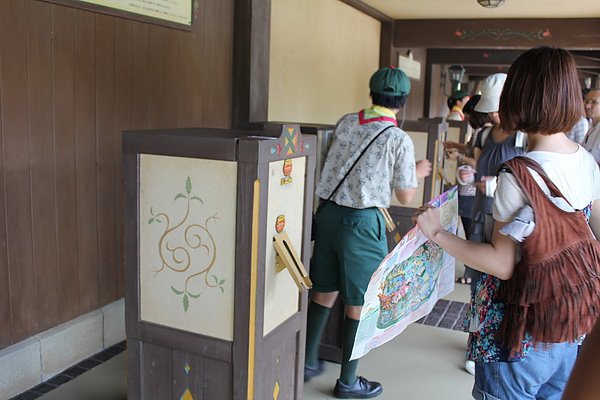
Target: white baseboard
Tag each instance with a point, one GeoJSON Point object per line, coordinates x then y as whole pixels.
{"type": "Point", "coordinates": [39, 358]}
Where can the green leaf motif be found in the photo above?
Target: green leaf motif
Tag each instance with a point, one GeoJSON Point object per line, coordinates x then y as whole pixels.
{"type": "Point", "coordinates": [186, 302]}
{"type": "Point", "coordinates": [179, 196]}
{"type": "Point", "coordinates": [197, 198]}
{"type": "Point", "coordinates": [177, 292]}
{"type": "Point", "coordinates": [222, 290]}
{"type": "Point", "coordinates": [222, 281]}
{"type": "Point", "coordinates": [194, 296]}
{"type": "Point", "coordinates": [151, 211]}
{"type": "Point", "coordinates": [158, 220]}
{"type": "Point", "coordinates": [188, 185]}
{"type": "Point", "coordinates": [215, 279]}
{"type": "Point", "coordinates": [151, 220]}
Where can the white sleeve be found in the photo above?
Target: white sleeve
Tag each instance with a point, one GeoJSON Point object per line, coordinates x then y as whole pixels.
{"type": "Point", "coordinates": [508, 198]}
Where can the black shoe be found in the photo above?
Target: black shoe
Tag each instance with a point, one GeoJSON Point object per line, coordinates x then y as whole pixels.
{"type": "Point", "coordinates": [361, 389]}
{"type": "Point", "coordinates": [311, 372]}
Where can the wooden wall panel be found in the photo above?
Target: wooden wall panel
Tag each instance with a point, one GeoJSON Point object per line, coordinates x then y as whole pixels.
{"type": "Point", "coordinates": [16, 169]}
{"type": "Point", "coordinates": [156, 69]}
{"type": "Point", "coordinates": [63, 99]}
{"type": "Point", "coordinates": [140, 115]}
{"type": "Point", "coordinates": [70, 82]}
{"type": "Point", "coordinates": [123, 121]}
{"type": "Point", "coordinates": [106, 160]}
{"type": "Point", "coordinates": [43, 189]}
{"type": "Point", "coordinates": [5, 316]}
{"type": "Point", "coordinates": [85, 159]}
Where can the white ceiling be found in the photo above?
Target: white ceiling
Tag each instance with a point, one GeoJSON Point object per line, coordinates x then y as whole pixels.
{"type": "Point", "coordinates": [470, 9]}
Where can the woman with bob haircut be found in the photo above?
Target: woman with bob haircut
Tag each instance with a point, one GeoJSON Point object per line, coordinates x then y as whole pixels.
{"type": "Point", "coordinates": [541, 97]}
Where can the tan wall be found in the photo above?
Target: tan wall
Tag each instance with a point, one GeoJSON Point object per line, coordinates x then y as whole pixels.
{"type": "Point", "coordinates": [323, 53]}
{"type": "Point", "coordinates": [70, 82]}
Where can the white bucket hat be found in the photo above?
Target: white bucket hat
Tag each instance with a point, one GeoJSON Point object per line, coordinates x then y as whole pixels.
{"type": "Point", "coordinates": [490, 93]}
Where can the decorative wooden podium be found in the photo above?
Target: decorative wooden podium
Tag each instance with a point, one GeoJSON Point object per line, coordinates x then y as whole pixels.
{"type": "Point", "coordinates": [217, 236]}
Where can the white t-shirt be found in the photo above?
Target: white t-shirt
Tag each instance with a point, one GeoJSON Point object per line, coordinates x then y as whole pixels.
{"type": "Point", "coordinates": [576, 175]}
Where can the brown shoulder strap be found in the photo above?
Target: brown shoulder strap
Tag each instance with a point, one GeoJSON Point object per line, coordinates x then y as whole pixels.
{"type": "Point", "coordinates": [518, 165]}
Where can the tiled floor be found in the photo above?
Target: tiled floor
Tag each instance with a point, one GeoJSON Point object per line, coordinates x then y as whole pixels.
{"type": "Point", "coordinates": [425, 362]}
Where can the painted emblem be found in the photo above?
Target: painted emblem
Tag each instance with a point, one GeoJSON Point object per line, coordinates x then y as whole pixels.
{"type": "Point", "coordinates": [287, 172]}
{"type": "Point", "coordinates": [280, 223]}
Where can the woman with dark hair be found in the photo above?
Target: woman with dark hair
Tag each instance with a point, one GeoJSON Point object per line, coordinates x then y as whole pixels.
{"type": "Point", "coordinates": [531, 315]}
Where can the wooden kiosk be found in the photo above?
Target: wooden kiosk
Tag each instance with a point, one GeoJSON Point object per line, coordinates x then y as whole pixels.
{"type": "Point", "coordinates": [217, 236]}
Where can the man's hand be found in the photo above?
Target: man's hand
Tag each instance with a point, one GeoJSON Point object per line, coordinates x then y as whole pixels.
{"type": "Point", "coordinates": [423, 168]}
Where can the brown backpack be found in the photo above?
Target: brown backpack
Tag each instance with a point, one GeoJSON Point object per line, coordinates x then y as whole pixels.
{"type": "Point", "coordinates": [554, 293]}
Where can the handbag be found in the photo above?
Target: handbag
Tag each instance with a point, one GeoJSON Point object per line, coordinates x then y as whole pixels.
{"type": "Point", "coordinates": [313, 231]}
{"type": "Point", "coordinates": [553, 293]}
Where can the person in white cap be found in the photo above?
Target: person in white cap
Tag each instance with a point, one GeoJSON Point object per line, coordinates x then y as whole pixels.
{"type": "Point", "coordinates": [496, 146]}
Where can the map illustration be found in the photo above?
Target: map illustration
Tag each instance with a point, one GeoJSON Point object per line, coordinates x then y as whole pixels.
{"type": "Point", "coordinates": [408, 282]}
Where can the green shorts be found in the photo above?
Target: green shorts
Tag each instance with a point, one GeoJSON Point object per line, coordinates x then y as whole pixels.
{"type": "Point", "coordinates": [350, 244]}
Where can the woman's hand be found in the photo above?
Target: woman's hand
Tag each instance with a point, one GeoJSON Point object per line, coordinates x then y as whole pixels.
{"type": "Point", "coordinates": [466, 175]}
{"type": "Point", "coordinates": [428, 220]}
{"type": "Point", "coordinates": [452, 154]}
{"type": "Point", "coordinates": [423, 168]}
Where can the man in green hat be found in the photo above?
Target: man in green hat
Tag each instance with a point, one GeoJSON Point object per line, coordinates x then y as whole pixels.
{"type": "Point", "coordinates": [369, 160]}
{"type": "Point", "coordinates": [456, 102]}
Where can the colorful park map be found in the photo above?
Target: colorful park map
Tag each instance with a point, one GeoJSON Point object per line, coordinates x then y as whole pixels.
{"type": "Point", "coordinates": [408, 283]}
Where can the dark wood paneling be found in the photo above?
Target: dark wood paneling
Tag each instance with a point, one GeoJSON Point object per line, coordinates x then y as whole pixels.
{"type": "Point", "coordinates": [105, 153]}
{"type": "Point", "coordinates": [156, 67]}
{"type": "Point", "coordinates": [16, 168]}
{"type": "Point", "coordinates": [140, 115]}
{"type": "Point", "coordinates": [85, 159]}
{"type": "Point", "coordinates": [582, 33]}
{"type": "Point", "coordinates": [215, 77]}
{"type": "Point", "coordinates": [123, 121]}
{"type": "Point", "coordinates": [251, 61]}
{"type": "Point", "coordinates": [215, 373]}
{"type": "Point", "coordinates": [39, 93]}
{"type": "Point", "coordinates": [63, 99]}
{"type": "Point", "coordinates": [157, 378]}
{"type": "Point", "coordinates": [188, 374]}
{"type": "Point", "coordinates": [70, 82]}
{"type": "Point", "coordinates": [5, 314]}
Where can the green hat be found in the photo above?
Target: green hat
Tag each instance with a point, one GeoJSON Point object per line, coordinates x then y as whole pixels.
{"type": "Point", "coordinates": [390, 81]}
{"type": "Point", "coordinates": [459, 94]}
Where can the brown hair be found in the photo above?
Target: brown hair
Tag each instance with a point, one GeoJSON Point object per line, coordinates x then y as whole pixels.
{"type": "Point", "coordinates": [542, 93]}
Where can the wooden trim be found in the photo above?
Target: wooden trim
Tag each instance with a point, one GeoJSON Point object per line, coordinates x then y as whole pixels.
{"type": "Point", "coordinates": [253, 284]}
{"type": "Point", "coordinates": [125, 14]}
{"type": "Point", "coordinates": [251, 57]}
{"type": "Point", "coordinates": [386, 45]}
{"type": "Point", "coordinates": [368, 10]}
{"type": "Point", "coordinates": [573, 33]}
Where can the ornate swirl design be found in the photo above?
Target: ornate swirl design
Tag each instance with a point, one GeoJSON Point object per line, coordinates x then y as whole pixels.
{"type": "Point", "coordinates": [187, 247]}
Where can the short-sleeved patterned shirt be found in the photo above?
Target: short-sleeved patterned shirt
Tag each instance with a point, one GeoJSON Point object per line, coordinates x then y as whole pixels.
{"type": "Point", "coordinates": [388, 163]}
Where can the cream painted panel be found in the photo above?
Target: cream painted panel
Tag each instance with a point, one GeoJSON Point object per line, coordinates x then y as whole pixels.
{"type": "Point", "coordinates": [322, 54]}
{"type": "Point", "coordinates": [420, 143]}
{"type": "Point", "coordinates": [187, 243]}
{"type": "Point", "coordinates": [281, 293]}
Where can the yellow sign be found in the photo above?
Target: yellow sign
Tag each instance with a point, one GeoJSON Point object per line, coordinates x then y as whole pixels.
{"type": "Point", "coordinates": [177, 11]}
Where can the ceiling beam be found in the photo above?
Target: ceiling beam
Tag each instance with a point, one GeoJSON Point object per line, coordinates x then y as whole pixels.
{"type": "Point", "coordinates": [367, 9]}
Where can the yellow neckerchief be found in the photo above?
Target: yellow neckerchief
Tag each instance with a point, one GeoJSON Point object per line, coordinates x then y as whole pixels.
{"type": "Point", "coordinates": [376, 113]}
{"type": "Point", "coordinates": [459, 111]}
